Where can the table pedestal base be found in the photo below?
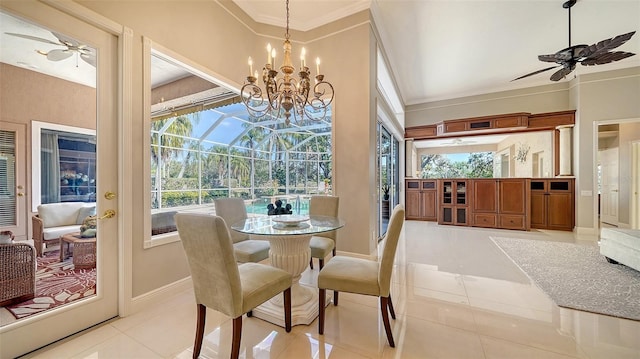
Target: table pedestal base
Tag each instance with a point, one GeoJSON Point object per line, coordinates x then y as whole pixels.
{"type": "Point", "coordinates": [292, 254]}
{"type": "Point", "coordinates": [302, 314]}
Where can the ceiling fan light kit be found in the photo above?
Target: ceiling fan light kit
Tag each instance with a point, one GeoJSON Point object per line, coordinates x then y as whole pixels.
{"type": "Point", "coordinates": [588, 55]}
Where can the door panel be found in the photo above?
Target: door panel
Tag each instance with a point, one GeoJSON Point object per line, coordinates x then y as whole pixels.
{"type": "Point", "coordinates": [38, 330]}
{"type": "Point", "coordinates": [609, 186]}
{"type": "Point", "coordinates": [12, 180]}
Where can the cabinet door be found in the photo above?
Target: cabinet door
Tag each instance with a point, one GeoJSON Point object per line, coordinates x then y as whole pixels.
{"type": "Point", "coordinates": [413, 204]}
{"type": "Point", "coordinates": [461, 216]}
{"type": "Point", "coordinates": [461, 193]}
{"type": "Point", "coordinates": [560, 211]}
{"type": "Point", "coordinates": [429, 210]}
{"type": "Point", "coordinates": [538, 209]}
{"type": "Point", "coordinates": [446, 188]}
{"type": "Point", "coordinates": [446, 215]}
{"type": "Point", "coordinates": [512, 196]}
{"type": "Point", "coordinates": [484, 196]}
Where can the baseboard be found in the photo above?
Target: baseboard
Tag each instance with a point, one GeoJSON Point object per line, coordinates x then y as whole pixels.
{"type": "Point", "coordinates": [156, 296]}
{"type": "Point", "coordinates": [587, 231]}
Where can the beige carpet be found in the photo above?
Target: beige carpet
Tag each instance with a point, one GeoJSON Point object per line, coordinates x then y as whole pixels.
{"type": "Point", "coordinates": [577, 276]}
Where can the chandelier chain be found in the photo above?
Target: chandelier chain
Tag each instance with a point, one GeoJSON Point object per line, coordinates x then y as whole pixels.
{"type": "Point", "coordinates": [286, 35]}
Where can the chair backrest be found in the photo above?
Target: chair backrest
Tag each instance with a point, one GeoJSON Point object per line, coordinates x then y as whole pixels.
{"type": "Point", "coordinates": [232, 210]}
{"type": "Point", "coordinates": [325, 206]}
{"type": "Point", "coordinates": [389, 252]}
{"type": "Point", "coordinates": [214, 272]}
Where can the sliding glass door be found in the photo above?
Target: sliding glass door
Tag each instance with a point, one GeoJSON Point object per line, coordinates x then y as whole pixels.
{"type": "Point", "coordinates": [388, 173]}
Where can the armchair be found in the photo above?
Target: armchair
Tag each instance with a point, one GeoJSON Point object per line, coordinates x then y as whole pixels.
{"type": "Point", "coordinates": [17, 273]}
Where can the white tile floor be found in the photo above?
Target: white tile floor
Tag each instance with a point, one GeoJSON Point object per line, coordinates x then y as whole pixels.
{"type": "Point", "coordinates": [456, 295]}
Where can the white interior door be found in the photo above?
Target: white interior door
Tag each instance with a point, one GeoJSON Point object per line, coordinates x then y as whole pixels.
{"type": "Point", "coordinates": [12, 179]}
{"type": "Point", "coordinates": [609, 186]}
{"type": "Point", "coordinates": [38, 330]}
{"type": "Point", "coordinates": [635, 185]}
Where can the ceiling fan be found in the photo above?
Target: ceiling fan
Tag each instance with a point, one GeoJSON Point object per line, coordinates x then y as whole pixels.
{"type": "Point", "coordinates": [596, 54]}
{"type": "Point", "coordinates": [458, 142]}
{"type": "Point", "coordinates": [85, 52]}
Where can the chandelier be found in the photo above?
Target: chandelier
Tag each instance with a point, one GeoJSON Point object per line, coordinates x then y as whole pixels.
{"type": "Point", "coordinates": [287, 95]}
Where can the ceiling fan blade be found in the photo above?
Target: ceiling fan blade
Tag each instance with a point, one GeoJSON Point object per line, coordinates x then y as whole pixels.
{"type": "Point", "coordinates": [67, 41]}
{"type": "Point", "coordinates": [534, 73]}
{"type": "Point", "coordinates": [605, 58]}
{"type": "Point", "coordinates": [606, 45]}
{"type": "Point", "coordinates": [562, 73]}
{"type": "Point", "coordinates": [89, 58]}
{"type": "Point", "coordinates": [57, 55]}
{"type": "Point", "coordinates": [33, 38]}
{"type": "Point", "coordinates": [548, 58]}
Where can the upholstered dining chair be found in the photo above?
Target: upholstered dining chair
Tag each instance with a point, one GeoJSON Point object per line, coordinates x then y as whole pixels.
{"type": "Point", "coordinates": [220, 283]}
{"type": "Point", "coordinates": [363, 276]}
{"type": "Point", "coordinates": [323, 244]}
{"type": "Point", "coordinates": [233, 210]}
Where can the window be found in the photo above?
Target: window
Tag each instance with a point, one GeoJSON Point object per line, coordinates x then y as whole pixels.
{"type": "Point", "coordinates": [204, 144]}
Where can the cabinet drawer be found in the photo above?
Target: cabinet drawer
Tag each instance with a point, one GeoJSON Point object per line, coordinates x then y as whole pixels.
{"type": "Point", "coordinates": [455, 127]}
{"type": "Point", "coordinates": [511, 222]}
{"type": "Point", "coordinates": [515, 121]}
{"type": "Point", "coordinates": [484, 220]}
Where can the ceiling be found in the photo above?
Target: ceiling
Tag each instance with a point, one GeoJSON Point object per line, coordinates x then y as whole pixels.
{"type": "Point", "coordinates": [446, 49]}
{"type": "Point", "coordinates": [436, 49]}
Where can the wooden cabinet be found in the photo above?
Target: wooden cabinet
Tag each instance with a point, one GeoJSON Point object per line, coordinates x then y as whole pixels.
{"type": "Point", "coordinates": [421, 199]}
{"type": "Point", "coordinates": [553, 204]}
{"type": "Point", "coordinates": [513, 203]}
{"type": "Point", "coordinates": [454, 202]}
{"type": "Point", "coordinates": [500, 203]}
{"type": "Point", "coordinates": [485, 203]}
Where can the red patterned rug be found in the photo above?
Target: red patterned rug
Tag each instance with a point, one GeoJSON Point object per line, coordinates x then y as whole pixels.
{"type": "Point", "coordinates": [57, 283]}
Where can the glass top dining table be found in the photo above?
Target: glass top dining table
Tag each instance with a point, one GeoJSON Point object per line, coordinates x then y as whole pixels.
{"type": "Point", "coordinates": [289, 237]}
{"type": "Point", "coordinates": [287, 225]}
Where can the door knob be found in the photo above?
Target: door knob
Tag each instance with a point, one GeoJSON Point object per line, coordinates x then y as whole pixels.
{"type": "Point", "coordinates": [108, 214]}
{"type": "Point", "coordinates": [109, 195]}
{"type": "Point", "coordinates": [20, 194]}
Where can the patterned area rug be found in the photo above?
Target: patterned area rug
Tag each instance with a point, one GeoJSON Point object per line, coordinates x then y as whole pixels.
{"type": "Point", "coordinates": [576, 276]}
{"type": "Point", "coordinates": [57, 283]}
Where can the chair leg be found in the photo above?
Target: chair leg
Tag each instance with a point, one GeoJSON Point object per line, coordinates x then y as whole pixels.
{"type": "Point", "coordinates": [237, 336]}
{"type": "Point", "coordinates": [311, 263]}
{"type": "Point", "coordinates": [335, 298]}
{"type": "Point", "coordinates": [391, 311]}
{"type": "Point", "coordinates": [321, 262]}
{"type": "Point", "coordinates": [384, 305]}
{"type": "Point", "coordinates": [321, 297]}
{"type": "Point", "coordinates": [202, 314]}
{"type": "Point", "coordinates": [287, 309]}
{"type": "Point", "coordinates": [334, 251]}
{"type": "Point", "coordinates": [250, 314]}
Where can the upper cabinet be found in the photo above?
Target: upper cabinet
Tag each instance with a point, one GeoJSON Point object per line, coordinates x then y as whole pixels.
{"type": "Point", "coordinates": [505, 123]}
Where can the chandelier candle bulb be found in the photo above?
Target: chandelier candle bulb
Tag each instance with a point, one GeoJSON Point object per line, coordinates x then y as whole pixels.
{"type": "Point", "coordinates": [318, 65]}
{"type": "Point", "coordinates": [302, 53]}
{"type": "Point", "coordinates": [273, 56]}
{"type": "Point", "coordinates": [269, 54]}
{"type": "Point", "coordinates": [250, 66]}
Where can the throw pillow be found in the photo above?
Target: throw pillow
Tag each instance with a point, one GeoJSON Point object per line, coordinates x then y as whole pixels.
{"type": "Point", "coordinates": [85, 212]}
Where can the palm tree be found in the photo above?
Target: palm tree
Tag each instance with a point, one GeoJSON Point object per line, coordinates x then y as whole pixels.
{"type": "Point", "coordinates": [167, 144]}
